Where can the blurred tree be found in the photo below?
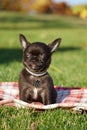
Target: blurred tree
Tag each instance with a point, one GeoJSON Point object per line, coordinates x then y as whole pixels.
{"type": "Point", "coordinates": [11, 5]}
{"type": "Point", "coordinates": [81, 11]}
{"type": "Point", "coordinates": [61, 8]}
{"type": "Point", "coordinates": [40, 6]}
{"type": "Point", "coordinates": [1, 4]}
{"type": "Point", "coordinates": [83, 14]}
{"type": "Point", "coordinates": [16, 5]}
{"type": "Point", "coordinates": [25, 5]}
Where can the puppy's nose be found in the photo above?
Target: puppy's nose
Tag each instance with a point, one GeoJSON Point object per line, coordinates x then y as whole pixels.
{"type": "Point", "coordinates": [34, 58]}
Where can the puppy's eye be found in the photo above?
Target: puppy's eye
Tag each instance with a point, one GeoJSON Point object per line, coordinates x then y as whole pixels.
{"type": "Point", "coordinates": [27, 55]}
{"type": "Point", "coordinates": [42, 56]}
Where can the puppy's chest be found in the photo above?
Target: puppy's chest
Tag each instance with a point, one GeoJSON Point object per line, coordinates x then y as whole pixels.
{"type": "Point", "coordinates": [37, 86]}
{"type": "Point", "coordinates": [35, 81]}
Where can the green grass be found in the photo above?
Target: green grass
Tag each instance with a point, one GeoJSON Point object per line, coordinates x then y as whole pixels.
{"type": "Point", "coordinates": [70, 62]}
{"type": "Point", "coordinates": [12, 119]}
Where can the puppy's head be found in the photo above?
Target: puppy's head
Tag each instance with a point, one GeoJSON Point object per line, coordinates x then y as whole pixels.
{"type": "Point", "coordinates": [37, 56]}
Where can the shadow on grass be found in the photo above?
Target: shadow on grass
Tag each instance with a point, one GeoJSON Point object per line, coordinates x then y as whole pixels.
{"type": "Point", "coordinates": [15, 54]}
{"type": "Point", "coordinates": [9, 55]}
{"type": "Point", "coordinates": [28, 22]}
{"type": "Point", "coordinates": [64, 49]}
{"type": "Point", "coordinates": [40, 26]}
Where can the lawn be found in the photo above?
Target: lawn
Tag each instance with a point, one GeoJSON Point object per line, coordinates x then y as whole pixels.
{"type": "Point", "coordinates": [68, 68]}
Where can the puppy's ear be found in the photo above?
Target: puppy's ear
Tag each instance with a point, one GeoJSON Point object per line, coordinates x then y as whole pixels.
{"type": "Point", "coordinates": [23, 41]}
{"type": "Point", "coordinates": [54, 45]}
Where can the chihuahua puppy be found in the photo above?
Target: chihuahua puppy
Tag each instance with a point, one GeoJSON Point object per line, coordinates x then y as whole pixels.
{"type": "Point", "coordinates": [35, 83]}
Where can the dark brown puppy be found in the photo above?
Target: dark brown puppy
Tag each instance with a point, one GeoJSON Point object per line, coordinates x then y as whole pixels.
{"type": "Point", "coordinates": [35, 84]}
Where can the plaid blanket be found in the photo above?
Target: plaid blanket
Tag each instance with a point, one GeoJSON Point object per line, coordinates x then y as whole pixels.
{"type": "Point", "coordinates": [75, 98]}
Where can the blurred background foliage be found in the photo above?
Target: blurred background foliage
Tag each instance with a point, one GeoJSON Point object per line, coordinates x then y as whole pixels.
{"type": "Point", "coordinates": [44, 6]}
